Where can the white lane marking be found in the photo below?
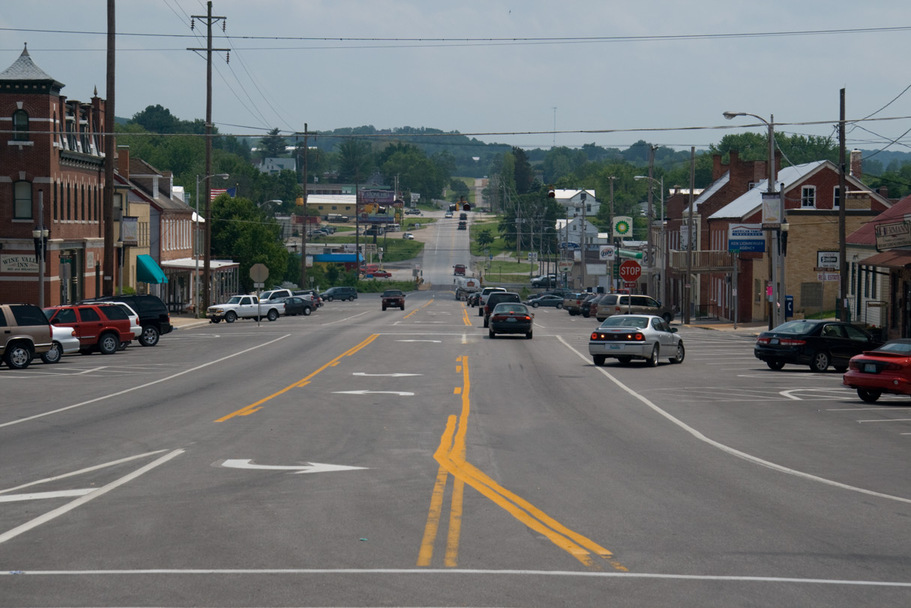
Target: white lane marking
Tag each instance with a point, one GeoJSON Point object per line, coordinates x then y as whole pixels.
{"type": "Point", "coordinates": [728, 449]}
{"type": "Point", "coordinates": [391, 375]}
{"type": "Point", "coordinates": [140, 386]}
{"type": "Point", "coordinates": [464, 571]}
{"type": "Point", "coordinates": [310, 467]}
{"type": "Point", "coordinates": [45, 495]}
{"type": "Point", "coordinates": [886, 420]}
{"type": "Point", "coordinates": [431, 341]}
{"type": "Point", "coordinates": [366, 392]}
{"type": "Point", "coordinates": [50, 515]}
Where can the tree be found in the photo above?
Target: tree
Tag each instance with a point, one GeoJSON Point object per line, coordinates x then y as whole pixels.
{"type": "Point", "coordinates": [524, 176]}
{"type": "Point", "coordinates": [272, 145]}
{"type": "Point", "coordinates": [355, 160]}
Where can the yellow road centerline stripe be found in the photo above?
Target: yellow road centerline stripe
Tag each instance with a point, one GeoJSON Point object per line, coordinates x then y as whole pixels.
{"type": "Point", "coordinates": [255, 407]}
{"type": "Point", "coordinates": [436, 498]}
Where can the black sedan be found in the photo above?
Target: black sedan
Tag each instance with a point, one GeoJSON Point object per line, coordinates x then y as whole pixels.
{"type": "Point", "coordinates": [813, 342]}
{"type": "Point", "coordinates": [545, 300]}
{"type": "Point", "coordinates": [296, 305]}
{"type": "Point", "coordinates": [510, 318]}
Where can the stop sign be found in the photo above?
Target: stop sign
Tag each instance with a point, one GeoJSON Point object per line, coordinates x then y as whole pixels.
{"type": "Point", "coordinates": [630, 271]}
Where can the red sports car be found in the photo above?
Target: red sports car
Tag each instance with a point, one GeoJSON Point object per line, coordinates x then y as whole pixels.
{"type": "Point", "coordinates": [884, 370]}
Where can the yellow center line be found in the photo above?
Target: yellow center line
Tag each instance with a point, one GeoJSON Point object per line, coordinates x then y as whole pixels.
{"type": "Point", "coordinates": [465, 318]}
{"type": "Point", "coordinates": [451, 457]}
{"type": "Point", "coordinates": [255, 407]}
{"type": "Point", "coordinates": [422, 306]}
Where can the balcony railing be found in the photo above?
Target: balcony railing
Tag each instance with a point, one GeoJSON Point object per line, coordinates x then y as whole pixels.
{"type": "Point", "coordinates": [703, 261]}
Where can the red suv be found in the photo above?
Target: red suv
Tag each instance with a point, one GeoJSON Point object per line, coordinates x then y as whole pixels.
{"type": "Point", "coordinates": [101, 327]}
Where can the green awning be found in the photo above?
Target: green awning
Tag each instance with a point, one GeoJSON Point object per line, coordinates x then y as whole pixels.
{"type": "Point", "coordinates": [148, 270]}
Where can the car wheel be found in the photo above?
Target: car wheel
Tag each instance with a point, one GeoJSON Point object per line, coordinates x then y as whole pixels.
{"type": "Point", "coordinates": [403, 307]}
{"type": "Point", "coordinates": [624, 360]}
{"type": "Point", "coordinates": [529, 336]}
{"type": "Point", "coordinates": [18, 355]}
{"type": "Point", "coordinates": [123, 346]}
{"type": "Point", "coordinates": [384, 308]}
{"type": "Point", "coordinates": [328, 298]}
{"type": "Point", "coordinates": [680, 354]}
{"type": "Point", "coordinates": [480, 312]}
{"type": "Point", "coordinates": [534, 304]}
{"type": "Point", "coordinates": [307, 311]}
{"type": "Point", "coordinates": [820, 362]}
{"type": "Point", "coordinates": [775, 365]}
{"type": "Point", "coordinates": [486, 322]}
{"type": "Point", "coordinates": [559, 306]}
{"type": "Point", "coordinates": [599, 359]}
{"type": "Point", "coordinates": [149, 335]}
{"type": "Point", "coordinates": [54, 355]}
{"type": "Point", "coordinates": [230, 316]}
{"type": "Point", "coordinates": [272, 315]}
{"type": "Point", "coordinates": [108, 344]}
{"type": "Point", "coordinates": [491, 334]}
{"type": "Point", "coordinates": [868, 395]}
{"type": "Point", "coordinates": [653, 359]}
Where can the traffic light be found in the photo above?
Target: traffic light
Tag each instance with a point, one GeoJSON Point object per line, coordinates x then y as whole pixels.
{"type": "Point", "coordinates": [551, 193]}
{"type": "Point", "coordinates": [466, 206]}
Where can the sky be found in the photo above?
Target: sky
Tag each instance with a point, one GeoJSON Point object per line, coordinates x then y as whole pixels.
{"type": "Point", "coordinates": [528, 73]}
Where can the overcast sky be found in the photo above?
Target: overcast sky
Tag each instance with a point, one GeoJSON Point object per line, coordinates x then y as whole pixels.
{"type": "Point", "coordinates": [533, 73]}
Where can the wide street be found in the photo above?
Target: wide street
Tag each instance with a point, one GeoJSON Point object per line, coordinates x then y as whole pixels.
{"type": "Point", "coordinates": [357, 457]}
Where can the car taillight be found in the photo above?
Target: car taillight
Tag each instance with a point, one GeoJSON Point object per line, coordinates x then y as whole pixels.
{"type": "Point", "coordinates": [791, 342]}
{"type": "Point", "coordinates": [597, 336]}
{"type": "Point", "coordinates": [762, 341]}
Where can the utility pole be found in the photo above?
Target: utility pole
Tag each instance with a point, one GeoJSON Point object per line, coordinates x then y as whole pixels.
{"type": "Point", "coordinates": [649, 215]}
{"type": "Point", "coordinates": [209, 19]}
{"type": "Point", "coordinates": [107, 287]}
{"type": "Point", "coordinates": [688, 280]}
{"type": "Point", "coordinates": [842, 206]}
{"type": "Point", "coordinates": [306, 217]}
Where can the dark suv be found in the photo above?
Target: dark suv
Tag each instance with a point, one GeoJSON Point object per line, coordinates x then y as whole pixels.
{"type": "Point", "coordinates": [339, 293]}
{"type": "Point", "coordinates": [153, 315]}
{"type": "Point", "coordinates": [495, 298]}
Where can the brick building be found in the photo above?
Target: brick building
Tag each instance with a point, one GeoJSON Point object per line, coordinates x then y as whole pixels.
{"type": "Point", "coordinates": [51, 177]}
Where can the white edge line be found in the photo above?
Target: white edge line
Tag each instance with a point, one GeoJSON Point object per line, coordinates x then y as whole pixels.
{"type": "Point", "coordinates": [730, 450]}
{"type": "Point", "coordinates": [141, 386]}
{"type": "Point", "coordinates": [462, 571]}
{"type": "Point", "coordinates": [50, 515]}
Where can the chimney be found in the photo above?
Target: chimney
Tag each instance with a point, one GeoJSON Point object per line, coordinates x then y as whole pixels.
{"type": "Point", "coordinates": [122, 155]}
{"type": "Point", "coordinates": [857, 164]}
{"type": "Point", "coordinates": [717, 171]}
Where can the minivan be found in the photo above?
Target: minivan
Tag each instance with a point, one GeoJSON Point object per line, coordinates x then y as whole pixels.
{"type": "Point", "coordinates": [339, 293]}
{"type": "Point", "coordinates": [618, 304]}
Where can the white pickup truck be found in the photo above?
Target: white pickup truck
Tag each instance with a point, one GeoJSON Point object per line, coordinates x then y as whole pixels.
{"type": "Point", "coordinates": [245, 307]}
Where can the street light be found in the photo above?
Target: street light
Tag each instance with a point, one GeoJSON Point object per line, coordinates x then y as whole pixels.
{"type": "Point", "coordinates": [196, 248]}
{"type": "Point", "coordinates": [652, 256]}
{"type": "Point", "coordinates": [776, 305]}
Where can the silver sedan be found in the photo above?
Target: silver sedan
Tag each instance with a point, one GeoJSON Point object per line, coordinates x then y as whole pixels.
{"type": "Point", "coordinates": [628, 337]}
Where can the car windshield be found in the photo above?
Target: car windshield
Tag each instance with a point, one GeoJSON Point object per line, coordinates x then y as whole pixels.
{"type": "Point", "coordinates": [902, 347]}
{"type": "Point", "coordinates": [795, 327]}
{"type": "Point", "coordinates": [625, 321]}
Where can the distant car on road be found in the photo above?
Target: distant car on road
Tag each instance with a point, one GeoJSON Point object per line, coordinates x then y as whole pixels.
{"type": "Point", "coordinates": [619, 303]}
{"type": "Point", "coordinates": [448, 214]}
{"type": "Point", "coordinates": [380, 274]}
{"type": "Point", "coordinates": [545, 300]}
{"type": "Point", "coordinates": [393, 298]}
{"type": "Point", "coordinates": [510, 318]}
{"type": "Point", "coordinates": [545, 280]}
{"type": "Point", "coordinates": [339, 293]}
{"type": "Point", "coordinates": [412, 211]}
{"type": "Point", "coordinates": [886, 369]}
{"type": "Point", "coordinates": [495, 298]}
{"type": "Point", "coordinates": [628, 337]}
{"type": "Point", "coordinates": [408, 236]}
{"type": "Point", "coordinates": [814, 342]}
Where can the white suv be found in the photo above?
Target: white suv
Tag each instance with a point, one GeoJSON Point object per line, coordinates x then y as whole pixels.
{"type": "Point", "coordinates": [482, 299]}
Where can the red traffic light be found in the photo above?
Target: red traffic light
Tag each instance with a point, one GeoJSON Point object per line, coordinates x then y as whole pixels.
{"type": "Point", "coordinates": [551, 193]}
{"type": "Point", "coordinates": [466, 206]}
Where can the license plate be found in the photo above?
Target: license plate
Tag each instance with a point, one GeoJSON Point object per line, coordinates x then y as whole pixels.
{"type": "Point", "coordinates": [615, 346]}
{"type": "Point", "coordinates": [511, 320]}
{"type": "Point", "coordinates": [773, 341]}
{"type": "Point", "coordinates": [870, 368]}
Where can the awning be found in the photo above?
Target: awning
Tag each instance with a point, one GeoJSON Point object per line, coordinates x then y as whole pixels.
{"type": "Point", "coordinates": [894, 258]}
{"type": "Point", "coordinates": [148, 270]}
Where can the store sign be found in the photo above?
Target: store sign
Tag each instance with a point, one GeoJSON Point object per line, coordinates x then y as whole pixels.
{"type": "Point", "coordinates": [24, 263]}
{"type": "Point", "coordinates": [746, 237]}
{"type": "Point", "coordinates": [892, 235]}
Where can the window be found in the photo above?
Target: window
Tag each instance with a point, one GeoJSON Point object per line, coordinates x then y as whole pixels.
{"type": "Point", "coordinates": [808, 197]}
{"type": "Point", "coordinates": [836, 197]}
{"type": "Point", "coordinates": [22, 205]}
{"type": "Point", "coordinates": [88, 314]}
{"type": "Point", "coordinates": [20, 125]}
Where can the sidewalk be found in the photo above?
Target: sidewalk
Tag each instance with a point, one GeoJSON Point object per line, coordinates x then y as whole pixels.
{"type": "Point", "coordinates": [745, 329]}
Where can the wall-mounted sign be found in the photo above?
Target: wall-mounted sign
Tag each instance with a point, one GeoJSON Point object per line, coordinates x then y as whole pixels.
{"type": "Point", "coordinates": [827, 259]}
{"type": "Point", "coordinates": [746, 237]}
{"type": "Point", "coordinates": [24, 263]}
{"type": "Point", "coordinates": [892, 235]}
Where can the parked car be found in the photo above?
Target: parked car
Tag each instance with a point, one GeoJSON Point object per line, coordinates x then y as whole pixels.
{"type": "Point", "coordinates": [297, 305]}
{"type": "Point", "coordinates": [619, 303]}
{"type": "Point", "coordinates": [813, 342]}
{"type": "Point", "coordinates": [572, 302]}
{"type": "Point", "coordinates": [495, 298]}
{"type": "Point", "coordinates": [412, 211]}
{"type": "Point", "coordinates": [339, 293]}
{"type": "Point", "coordinates": [628, 337]}
{"type": "Point", "coordinates": [24, 333]}
{"type": "Point", "coordinates": [153, 315]}
{"type": "Point", "coordinates": [408, 236]}
{"type": "Point", "coordinates": [65, 342]}
{"type": "Point", "coordinates": [393, 298]}
{"type": "Point", "coordinates": [510, 318]}
{"type": "Point", "coordinates": [100, 326]}
{"type": "Point", "coordinates": [380, 274]}
{"type": "Point", "coordinates": [309, 293]}
{"type": "Point", "coordinates": [545, 300]}
{"type": "Point", "coordinates": [589, 307]}
{"type": "Point", "coordinates": [886, 369]}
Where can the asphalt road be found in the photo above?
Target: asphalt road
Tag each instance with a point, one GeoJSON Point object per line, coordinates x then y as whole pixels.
{"type": "Point", "coordinates": [357, 457]}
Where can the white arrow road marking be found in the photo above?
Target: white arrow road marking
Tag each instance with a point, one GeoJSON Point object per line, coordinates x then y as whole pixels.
{"type": "Point", "coordinates": [392, 375]}
{"type": "Point", "coordinates": [362, 392]}
{"type": "Point", "coordinates": [310, 467]}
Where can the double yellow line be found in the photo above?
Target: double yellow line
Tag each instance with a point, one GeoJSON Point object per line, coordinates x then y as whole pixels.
{"type": "Point", "coordinates": [451, 456]}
